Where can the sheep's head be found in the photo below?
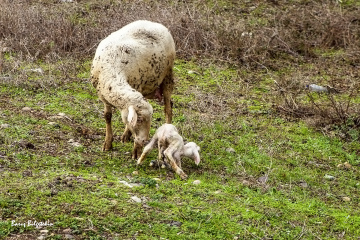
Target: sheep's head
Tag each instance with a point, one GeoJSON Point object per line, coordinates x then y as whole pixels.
{"type": "Point", "coordinates": [138, 121]}
{"type": "Point", "coordinates": [191, 150]}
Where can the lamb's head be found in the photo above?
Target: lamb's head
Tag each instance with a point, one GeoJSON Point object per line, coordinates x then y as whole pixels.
{"type": "Point", "coordinates": [138, 120]}
{"type": "Point", "coordinates": [191, 150]}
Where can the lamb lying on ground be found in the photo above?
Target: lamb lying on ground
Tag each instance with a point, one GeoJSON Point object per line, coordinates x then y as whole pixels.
{"type": "Point", "coordinates": [131, 65]}
{"type": "Point", "coordinates": [171, 148]}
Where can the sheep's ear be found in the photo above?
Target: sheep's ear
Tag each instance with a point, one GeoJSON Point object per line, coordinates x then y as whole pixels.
{"type": "Point", "coordinates": [132, 116]}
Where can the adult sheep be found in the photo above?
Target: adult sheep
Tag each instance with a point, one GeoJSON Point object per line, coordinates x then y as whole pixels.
{"type": "Point", "coordinates": [131, 65]}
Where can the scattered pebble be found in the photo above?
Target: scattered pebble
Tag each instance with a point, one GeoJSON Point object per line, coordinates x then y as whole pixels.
{"type": "Point", "coordinates": [71, 140]}
{"type": "Point", "coordinates": [217, 192]}
{"type": "Point", "coordinates": [5, 125]}
{"type": "Point", "coordinates": [246, 183]}
{"type": "Point", "coordinates": [346, 199]}
{"type": "Point", "coordinates": [340, 165]}
{"type": "Point", "coordinates": [131, 185]}
{"type": "Point", "coordinates": [230, 150]}
{"type": "Point", "coordinates": [136, 199]}
{"type": "Point", "coordinates": [44, 231]}
{"type": "Point", "coordinates": [347, 165]}
{"type": "Point", "coordinates": [196, 182]}
{"type": "Point", "coordinates": [27, 173]}
{"type": "Point", "coordinates": [68, 236]}
{"type": "Point", "coordinates": [61, 114]}
{"type": "Point", "coordinates": [263, 179]}
{"type": "Point", "coordinates": [176, 224]}
{"type": "Point", "coordinates": [41, 237]}
{"type": "Point", "coordinates": [193, 72]}
{"type": "Point", "coordinates": [67, 230]}
{"type": "Point", "coordinates": [329, 177]}
{"type": "Point", "coordinates": [26, 109]}
{"type": "Point", "coordinates": [303, 184]}
{"type": "Point", "coordinates": [135, 173]}
{"type": "Point", "coordinates": [37, 70]}
{"type": "Point", "coordinates": [114, 202]}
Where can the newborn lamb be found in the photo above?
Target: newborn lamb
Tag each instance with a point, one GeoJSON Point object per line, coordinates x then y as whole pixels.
{"type": "Point", "coordinates": [171, 148]}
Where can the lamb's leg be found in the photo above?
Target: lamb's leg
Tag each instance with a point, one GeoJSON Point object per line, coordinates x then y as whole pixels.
{"type": "Point", "coordinates": [126, 135]}
{"type": "Point", "coordinates": [147, 149]}
{"type": "Point", "coordinates": [169, 155]}
{"type": "Point", "coordinates": [109, 135]}
{"type": "Point", "coordinates": [168, 86]}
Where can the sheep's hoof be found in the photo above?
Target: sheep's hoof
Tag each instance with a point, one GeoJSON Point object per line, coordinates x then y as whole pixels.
{"type": "Point", "coordinates": [107, 147]}
{"type": "Point", "coordinates": [125, 137]}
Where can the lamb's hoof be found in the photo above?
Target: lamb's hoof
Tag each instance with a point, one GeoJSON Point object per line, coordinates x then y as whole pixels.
{"type": "Point", "coordinates": [183, 176]}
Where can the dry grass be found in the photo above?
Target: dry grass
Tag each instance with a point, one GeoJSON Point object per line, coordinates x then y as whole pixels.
{"type": "Point", "coordinates": [255, 35]}
{"type": "Point", "coordinates": [239, 32]}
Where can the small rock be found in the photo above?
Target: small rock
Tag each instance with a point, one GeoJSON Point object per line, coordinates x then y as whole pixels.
{"type": "Point", "coordinates": [71, 140]}
{"type": "Point", "coordinates": [217, 192]}
{"type": "Point", "coordinates": [67, 230]}
{"type": "Point", "coordinates": [329, 177]}
{"type": "Point", "coordinates": [127, 153]}
{"type": "Point", "coordinates": [347, 165]}
{"type": "Point", "coordinates": [176, 224]}
{"type": "Point", "coordinates": [340, 165]}
{"type": "Point", "coordinates": [157, 179]}
{"type": "Point", "coordinates": [246, 183]}
{"type": "Point", "coordinates": [114, 202]}
{"type": "Point", "coordinates": [27, 173]}
{"type": "Point", "coordinates": [136, 199]}
{"type": "Point", "coordinates": [37, 70]}
{"type": "Point", "coordinates": [230, 150]}
{"type": "Point", "coordinates": [5, 125]}
{"type": "Point", "coordinates": [68, 236]}
{"type": "Point", "coordinates": [44, 231]}
{"type": "Point", "coordinates": [303, 184]}
{"type": "Point", "coordinates": [196, 182]}
{"type": "Point", "coordinates": [41, 237]}
{"type": "Point", "coordinates": [263, 179]}
{"type": "Point", "coordinates": [346, 199]}
{"type": "Point", "coordinates": [61, 114]}
{"type": "Point", "coordinates": [135, 173]}
{"type": "Point", "coordinates": [193, 72]}
{"type": "Point", "coordinates": [26, 109]}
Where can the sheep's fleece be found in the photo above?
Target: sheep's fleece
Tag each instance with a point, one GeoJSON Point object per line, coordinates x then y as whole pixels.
{"type": "Point", "coordinates": [130, 65]}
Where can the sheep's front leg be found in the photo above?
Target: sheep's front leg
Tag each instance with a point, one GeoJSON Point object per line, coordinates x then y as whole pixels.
{"type": "Point", "coordinates": [168, 86]}
{"type": "Point", "coordinates": [109, 135]}
{"type": "Point", "coordinates": [169, 155]}
{"type": "Point", "coordinates": [126, 135]}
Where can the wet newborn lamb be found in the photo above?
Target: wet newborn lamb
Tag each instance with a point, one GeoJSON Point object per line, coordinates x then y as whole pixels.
{"type": "Point", "coordinates": [171, 146]}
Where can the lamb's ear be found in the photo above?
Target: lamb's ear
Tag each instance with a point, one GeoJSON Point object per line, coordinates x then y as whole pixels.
{"type": "Point", "coordinates": [132, 116]}
{"type": "Point", "coordinates": [196, 157]}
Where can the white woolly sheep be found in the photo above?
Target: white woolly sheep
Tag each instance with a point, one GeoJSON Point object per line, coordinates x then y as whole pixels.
{"type": "Point", "coordinates": [171, 148]}
{"type": "Point", "coordinates": [131, 65]}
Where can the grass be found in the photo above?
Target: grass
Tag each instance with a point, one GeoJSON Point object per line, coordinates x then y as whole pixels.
{"type": "Point", "coordinates": [271, 185]}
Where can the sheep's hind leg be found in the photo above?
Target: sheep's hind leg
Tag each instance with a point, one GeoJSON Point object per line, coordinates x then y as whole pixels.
{"type": "Point", "coordinates": [109, 134]}
{"type": "Point", "coordinates": [168, 86]}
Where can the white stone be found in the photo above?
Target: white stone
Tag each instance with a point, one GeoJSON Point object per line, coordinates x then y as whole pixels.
{"type": "Point", "coordinates": [196, 182]}
{"type": "Point", "coordinates": [136, 199]}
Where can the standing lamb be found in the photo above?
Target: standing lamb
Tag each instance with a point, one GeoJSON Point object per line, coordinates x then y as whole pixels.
{"type": "Point", "coordinates": [171, 146]}
{"type": "Point", "coordinates": [131, 65]}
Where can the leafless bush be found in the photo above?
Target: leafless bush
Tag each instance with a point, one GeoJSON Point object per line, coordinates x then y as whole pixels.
{"type": "Point", "coordinates": [243, 33]}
